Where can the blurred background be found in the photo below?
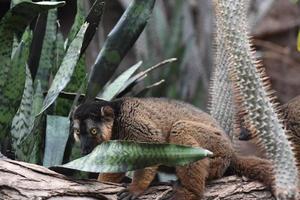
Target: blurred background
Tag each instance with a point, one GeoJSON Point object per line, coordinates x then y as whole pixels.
{"type": "Point", "coordinates": [184, 29]}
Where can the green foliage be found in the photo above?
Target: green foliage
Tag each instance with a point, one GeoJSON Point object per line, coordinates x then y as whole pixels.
{"type": "Point", "coordinates": [30, 128]}
{"type": "Point", "coordinates": [14, 85]}
{"type": "Point", "coordinates": [46, 61]}
{"type": "Point", "coordinates": [113, 89]}
{"type": "Point", "coordinates": [57, 134]}
{"type": "Point", "coordinates": [118, 43]}
{"type": "Point", "coordinates": [63, 76]}
{"type": "Point", "coordinates": [22, 121]}
{"type": "Point", "coordinates": [13, 23]}
{"type": "Point", "coordinates": [79, 76]}
{"type": "Point", "coordinates": [123, 156]}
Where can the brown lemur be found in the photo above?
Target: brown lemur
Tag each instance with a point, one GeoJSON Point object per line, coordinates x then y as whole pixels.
{"type": "Point", "coordinates": [162, 120]}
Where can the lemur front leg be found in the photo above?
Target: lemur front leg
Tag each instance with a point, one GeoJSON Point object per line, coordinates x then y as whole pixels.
{"type": "Point", "coordinates": [111, 177]}
{"type": "Point", "coordinates": [142, 130]}
{"type": "Point", "coordinates": [140, 182]}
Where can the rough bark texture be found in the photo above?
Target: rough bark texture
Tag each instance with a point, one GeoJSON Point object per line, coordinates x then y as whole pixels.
{"type": "Point", "coordinates": [19, 180]}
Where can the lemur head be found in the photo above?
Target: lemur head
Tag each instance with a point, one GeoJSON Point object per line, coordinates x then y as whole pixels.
{"type": "Point", "coordinates": [92, 124]}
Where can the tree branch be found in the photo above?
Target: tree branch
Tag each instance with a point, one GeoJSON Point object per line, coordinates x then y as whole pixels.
{"type": "Point", "coordinates": [21, 180]}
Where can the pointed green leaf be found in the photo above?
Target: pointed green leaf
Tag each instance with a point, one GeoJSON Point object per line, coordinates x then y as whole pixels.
{"type": "Point", "coordinates": [15, 21]}
{"type": "Point", "coordinates": [78, 21]}
{"type": "Point", "coordinates": [118, 43]}
{"type": "Point", "coordinates": [24, 141]}
{"type": "Point", "coordinates": [57, 134]}
{"type": "Point", "coordinates": [12, 90]}
{"type": "Point", "coordinates": [93, 19]}
{"type": "Point", "coordinates": [29, 149]}
{"type": "Point", "coordinates": [114, 88]}
{"type": "Point", "coordinates": [38, 99]}
{"type": "Point", "coordinates": [22, 121]}
{"type": "Point", "coordinates": [37, 44]}
{"type": "Point", "coordinates": [122, 156]}
{"type": "Point", "coordinates": [66, 69]}
{"type": "Point", "coordinates": [141, 75]}
{"type": "Point", "coordinates": [47, 59]}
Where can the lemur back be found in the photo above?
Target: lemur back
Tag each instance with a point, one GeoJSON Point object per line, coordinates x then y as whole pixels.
{"type": "Point", "coordinates": [164, 112]}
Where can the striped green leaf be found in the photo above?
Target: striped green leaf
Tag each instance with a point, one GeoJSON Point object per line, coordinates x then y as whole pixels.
{"type": "Point", "coordinates": [57, 134]}
{"type": "Point", "coordinates": [122, 156]}
{"type": "Point", "coordinates": [11, 92]}
{"type": "Point", "coordinates": [47, 59]}
{"type": "Point", "coordinates": [63, 76]}
{"type": "Point", "coordinates": [113, 89]}
{"type": "Point", "coordinates": [22, 121]}
{"type": "Point", "coordinates": [13, 23]}
{"type": "Point", "coordinates": [118, 43]}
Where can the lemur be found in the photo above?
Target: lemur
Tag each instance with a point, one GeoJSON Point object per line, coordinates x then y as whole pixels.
{"type": "Point", "coordinates": [162, 120]}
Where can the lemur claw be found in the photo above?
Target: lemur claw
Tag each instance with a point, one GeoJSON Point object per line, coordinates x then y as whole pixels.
{"type": "Point", "coordinates": [127, 195]}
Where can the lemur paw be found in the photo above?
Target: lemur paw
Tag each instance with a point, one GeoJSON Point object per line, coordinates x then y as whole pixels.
{"type": "Point", "coordinates": [129, 194]}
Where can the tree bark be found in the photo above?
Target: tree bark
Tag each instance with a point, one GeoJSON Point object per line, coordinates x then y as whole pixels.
{"type": "Point", "coordinates": [19, 180]}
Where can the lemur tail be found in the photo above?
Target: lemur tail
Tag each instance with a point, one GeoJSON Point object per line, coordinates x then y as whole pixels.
{"type": "Point", "coordinates": [253, 168]}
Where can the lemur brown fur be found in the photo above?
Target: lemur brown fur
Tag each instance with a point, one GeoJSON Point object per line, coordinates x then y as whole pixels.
{"type": "Point", "coordinates": [165, 121]}
{"type": "Point", "coordinates": [291, 115]}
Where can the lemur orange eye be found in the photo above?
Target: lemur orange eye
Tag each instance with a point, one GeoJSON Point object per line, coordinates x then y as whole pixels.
{"type": "Point", "coordinates": [93, 131]}
{"type": "Point", "coordinates": [76, 131]}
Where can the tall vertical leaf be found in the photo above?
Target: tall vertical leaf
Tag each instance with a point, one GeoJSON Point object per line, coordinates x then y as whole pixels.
{"type": "Point", "coordinates": [113, 89]}
{"type": "Point", "coordinates": [118, 43]}
{"type": "Point", "coordinates": [14, 23]}
{"type": "Point", "coordinates": [47, 55]}
{"type": "Point", "coordinates": [66, 69]}
{"type": "Point", "coordinates": [57, 134]}
{"type": "Point", "coordinates": [11, 92]}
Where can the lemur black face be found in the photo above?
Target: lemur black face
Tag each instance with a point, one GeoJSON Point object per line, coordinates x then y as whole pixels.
{"type": "Point", "coordinates": [92, 124]}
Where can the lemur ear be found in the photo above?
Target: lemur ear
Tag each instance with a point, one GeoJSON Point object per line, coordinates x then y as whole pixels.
{"type": "Point", "coordinates": [107, 112]}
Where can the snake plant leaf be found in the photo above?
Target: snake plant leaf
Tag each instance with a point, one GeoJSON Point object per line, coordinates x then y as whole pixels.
{"type": "Point", "coordinates": [14, 22]}
{"type": "Point", "coordinates": [12, 90]}
{"type": "Point", "coordinates": [57, 134]}
{"type": "Point", "coordinates": [22, 121]}
{"type": "Point", "coordinates": [123, 156]}
{"type": "Point", "coordinates": [79, 75]}
{"type": "Point", "coordinates": [78, 21]}
{"type": "Point", "coordinates": [114, 88]}
{"type": "Point", "coordinates": [47, 59]}
{"type": "Point", "coordinates": [29, 147]}
{"type": "Point", "coordinates": [118, 43]}
{"type": "Point", "coordinates": [37, 44]}
{"type": "Point", "coordinates": [66, 69]}
{"type": "Point", "coordinates": [93, 19]}
{"type": "Point", "coordinates": [141, 75]}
